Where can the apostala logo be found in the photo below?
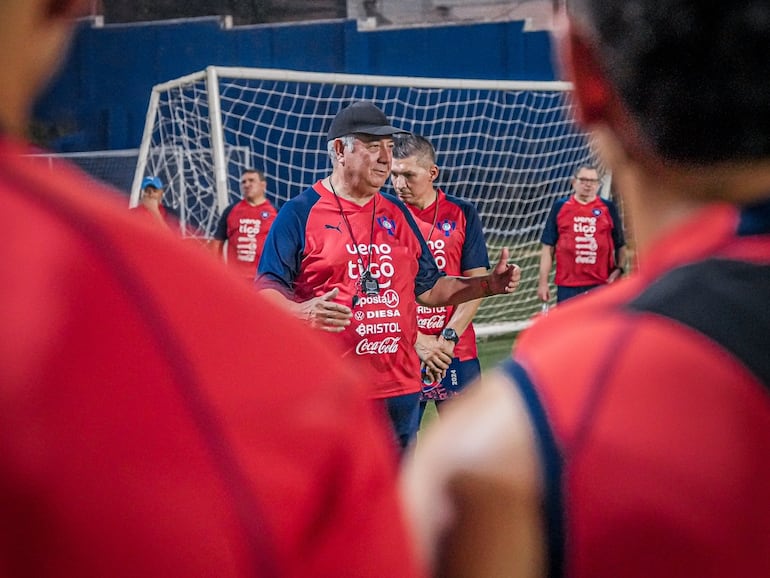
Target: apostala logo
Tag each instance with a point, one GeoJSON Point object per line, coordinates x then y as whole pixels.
{"type": "Point", "coordinates": [389, 298]}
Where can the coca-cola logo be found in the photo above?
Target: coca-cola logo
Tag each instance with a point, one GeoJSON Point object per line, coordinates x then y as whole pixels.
{"type": "Point", "coordinates": [387, 345]}
{"type": "Point", "coordinates": [434, 322]}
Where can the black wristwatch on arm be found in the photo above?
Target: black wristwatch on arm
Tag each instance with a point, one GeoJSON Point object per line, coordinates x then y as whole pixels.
{"type": "Point", "coordinates": [450, 335]}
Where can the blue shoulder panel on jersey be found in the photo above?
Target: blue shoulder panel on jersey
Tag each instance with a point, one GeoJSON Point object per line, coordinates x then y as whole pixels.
{"type": "Point", "coordinates": [755, 219]}
{"type": "Point", "coordinates": [552, 468]}
{"type": "Point", "coordinates": [725, 300]}
{"type": "Point", "coordinates": [474, 254]}
{"type": "Point", "coordinates": [281, 257]}
{"type": "Point", "coordinates": [428, 273]}
{"type": "Point", "coordinates": [550, 230]}
{"type": "Point", "coordinates": [220, 234]}
{"type": "Point", "coordinates": [618, 236]}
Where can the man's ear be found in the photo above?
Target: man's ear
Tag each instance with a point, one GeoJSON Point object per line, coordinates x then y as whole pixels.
{"type": "Point", "coordinates": [592, 92]}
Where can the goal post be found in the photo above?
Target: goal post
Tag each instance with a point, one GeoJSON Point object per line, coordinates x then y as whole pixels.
{"type": "Point", "coordinates": [509, 147]}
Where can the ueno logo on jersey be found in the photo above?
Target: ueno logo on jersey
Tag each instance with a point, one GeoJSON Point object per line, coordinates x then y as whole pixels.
{"type": "Point", "coordinates": [584, 225]}
{"type": "Point", "coordinates": [438, 250]}
{"type": "Point", "coordinates": [389, 298]}
{"type": "Point", "coordinates": [387, 345]}
{"type": "Point", "coordinates": [249, 227]}
{"type": "Point", "coordinates": [362, 249]}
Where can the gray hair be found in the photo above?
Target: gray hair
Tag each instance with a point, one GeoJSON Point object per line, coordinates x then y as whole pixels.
{"type": "Point", "coordinates": [347, 141]}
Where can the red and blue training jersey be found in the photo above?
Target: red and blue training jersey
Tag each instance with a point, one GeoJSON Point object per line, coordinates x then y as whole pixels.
{"type": "Point", "coordinates": [454, 234]}
{"type": "Point", "coordinates": [310, 250]}
{"type": "Point", "coordinates": [245, 226]}
{"type": "Point", "coordinates": [153, 420]}
{"type": "Point", "coordinates": [586, 238]}
{"type": "Point", "coordinates": [651, 402]}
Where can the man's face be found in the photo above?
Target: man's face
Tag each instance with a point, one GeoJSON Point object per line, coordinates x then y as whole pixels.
{"type": "Point", "coordinates": [153, 193]}
{"type": "Point", "coordinates": [252, 187]}
{"type": "Point", "coordinates": [413, 180]}
{"type": "Point", "coordinates": [586, 185]}
{"type": "Point", "coordinates": [367, 166]}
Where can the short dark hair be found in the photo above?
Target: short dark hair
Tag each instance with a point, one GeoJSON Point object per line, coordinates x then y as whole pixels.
{"type": "Point", "coordinates": [257, 172]}
{"type": "Point", "coordinates": [694, 74]}
{"type": "Point", "coordinates": [587, 167]}
{"type": "Point", "coordinates": [407, 145]}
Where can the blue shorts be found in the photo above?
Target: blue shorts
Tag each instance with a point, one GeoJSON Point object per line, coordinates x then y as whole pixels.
{"type": "Point", "coordinates": [458, 376]}
{"type": "Point", "coordinates": [404, 413]}
{"type": "Point", "coordinates": [563, 292]}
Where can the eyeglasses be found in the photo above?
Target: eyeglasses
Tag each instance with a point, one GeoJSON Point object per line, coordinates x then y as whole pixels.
{"type": "Point", "coordinates": [584, 181]}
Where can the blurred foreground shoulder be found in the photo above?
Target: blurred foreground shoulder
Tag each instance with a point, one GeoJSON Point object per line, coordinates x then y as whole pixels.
{"type": "Point", "coordinates": [472, 485]}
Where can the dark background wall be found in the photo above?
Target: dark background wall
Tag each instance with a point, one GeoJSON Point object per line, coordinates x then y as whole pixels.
{"type": "Point", "coordinates": [100, 98]}
{"type": "Point", "coordinates": [242, 11]}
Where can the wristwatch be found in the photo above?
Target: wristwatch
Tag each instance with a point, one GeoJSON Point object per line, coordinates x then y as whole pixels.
{"type": "Point", "coordinates": [450, 335]}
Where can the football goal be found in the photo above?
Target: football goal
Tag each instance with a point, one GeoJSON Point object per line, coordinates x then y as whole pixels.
{"type": "Point", "coordinates": [509, 147]}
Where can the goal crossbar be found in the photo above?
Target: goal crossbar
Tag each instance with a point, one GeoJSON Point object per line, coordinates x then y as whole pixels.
{"type": "Point", "coordinates": [509, 147]}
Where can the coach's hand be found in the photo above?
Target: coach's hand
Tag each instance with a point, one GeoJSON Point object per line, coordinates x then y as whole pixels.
{"type": "Point", "coordinates": [504, 278]}
{"type": "Point", "coordinates": [326, 314]}
{"type": "Point", "coordinates": [435, 354]}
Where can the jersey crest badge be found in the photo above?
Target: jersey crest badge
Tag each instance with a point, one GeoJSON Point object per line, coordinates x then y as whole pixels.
{"type": "Point", "coordinates": [388, 224]}
{"type": "Point", "coordinates": [447, 226]}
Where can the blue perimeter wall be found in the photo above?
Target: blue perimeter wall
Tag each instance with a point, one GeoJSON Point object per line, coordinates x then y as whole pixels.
{"type": "Point", "coordinates": [101, 95]}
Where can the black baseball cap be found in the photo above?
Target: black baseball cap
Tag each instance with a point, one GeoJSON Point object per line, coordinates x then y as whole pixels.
{"type": "Point", "coordinates": [361, 117]}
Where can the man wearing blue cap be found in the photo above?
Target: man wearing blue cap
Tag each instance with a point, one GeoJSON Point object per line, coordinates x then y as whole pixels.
{"type": "Point", "coordinates": [152, 206]}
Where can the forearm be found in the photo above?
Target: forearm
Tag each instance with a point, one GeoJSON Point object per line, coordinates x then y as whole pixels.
{"type": "Point", "coordinates": [282, 300]}
{"type": "Point", "coordinates": [456, 290]}
{"type": "Point", "coordinates": [622, 258]}
{"type": "Point", "coordinates": [546, 264]}
{"type": "Point", "coordinates": [463, 315]}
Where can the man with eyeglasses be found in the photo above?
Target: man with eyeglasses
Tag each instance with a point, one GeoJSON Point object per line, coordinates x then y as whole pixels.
{"type": "Point", "coordinates": [583, 235]}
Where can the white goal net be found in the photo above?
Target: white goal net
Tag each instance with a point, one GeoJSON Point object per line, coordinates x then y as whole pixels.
{"type": "Point", "coordinates": [509, 147]}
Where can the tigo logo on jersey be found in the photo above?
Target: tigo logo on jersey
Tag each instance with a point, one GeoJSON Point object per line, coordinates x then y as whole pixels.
{"type": "Point", "coordinates": [388, 224]}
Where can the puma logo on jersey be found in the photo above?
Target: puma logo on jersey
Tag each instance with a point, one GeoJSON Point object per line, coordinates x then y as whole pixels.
{"type": "Point", "coordinates": [335, 227]}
